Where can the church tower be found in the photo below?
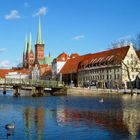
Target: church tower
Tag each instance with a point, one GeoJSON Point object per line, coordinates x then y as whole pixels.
{"type": "Point", "coordinates": [24, 53]}
{"type": "Point", "coordinates": [29, 53]}
{"type": "Point", "coordinates": [39, 46]}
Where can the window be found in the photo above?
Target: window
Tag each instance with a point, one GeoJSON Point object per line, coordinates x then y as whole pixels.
{"type": "Point", "coordinates": [133, 76]}
{"type": "Point", "coordinates": [118, 76]}
{"type": "Point", "coordinates": [115, 76]}
{"type": "Point", "coordinates": [103, 76]}
{"type": "Point", "coordinates": [127, 62]}
{"type": "Point", "coordinates": [107, 76]}
{"type": "Point", "coordinates": [131, 55]}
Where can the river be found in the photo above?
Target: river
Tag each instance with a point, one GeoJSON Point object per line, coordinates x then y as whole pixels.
{"type": "Point", "coordinates": [70, 118]}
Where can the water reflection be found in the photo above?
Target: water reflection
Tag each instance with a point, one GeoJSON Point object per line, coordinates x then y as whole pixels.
{"type": "Point", "coordinates": [118, 117]}
{"type": "Point", "coordinates": [28, 120]}
{"type": "Point", "coordinates": [126, 120]}
{"type": "Point", "coordinates": [131, 115]}
{"type": "Point", "coordinates": [34, 118]}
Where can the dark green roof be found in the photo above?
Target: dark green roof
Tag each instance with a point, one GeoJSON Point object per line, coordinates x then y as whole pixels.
{"type": "Point", "coordinates": [47, 60]}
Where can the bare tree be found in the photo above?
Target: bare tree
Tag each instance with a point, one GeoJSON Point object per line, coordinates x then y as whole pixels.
{"type": "Point", "coordinates": [129, 77]}
{"type": "Point", "coordinates": [136, 41]}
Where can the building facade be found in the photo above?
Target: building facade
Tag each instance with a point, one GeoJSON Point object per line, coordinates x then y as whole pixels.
{"type": "Point", "coordinates": [114, 68]}
{"type": "Point", "coordinates": [58, 64]}
{"type": "Point", "coordinates": [110, 69]}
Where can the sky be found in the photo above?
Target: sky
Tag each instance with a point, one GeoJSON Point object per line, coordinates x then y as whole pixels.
{"type": "Point", "coordinates": [71, 26]}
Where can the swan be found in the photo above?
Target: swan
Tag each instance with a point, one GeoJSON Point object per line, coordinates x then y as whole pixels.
{"type": "Point", "coordinates": [10, 125]}
{"type": "Point", "coordinates": [101, 100]}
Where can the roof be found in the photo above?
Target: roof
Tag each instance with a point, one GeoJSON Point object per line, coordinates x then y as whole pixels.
{"type": "Point", "coordinates": [30, 44]}
{"type": "Point", "coordinates": [74, 55]}
{"type": "Point", "coordinates": [117, 54]}
{"type": "Point", "coordinates": [62, 57]}
{"type": "Point", "coordinates": [26, 44]}
{"type": "Point", "coordinates": [45, 70]}
{"type": "Point", "coordinates": [71, 66]}
{"type": "Point", "coordinates": [47, 60]}
{"type": "Point", "coordinates": [39, 35]}
{"type": "Point", "coordinates": [114, 55]}
{"type": "Point", "coordinates": [4, 72]}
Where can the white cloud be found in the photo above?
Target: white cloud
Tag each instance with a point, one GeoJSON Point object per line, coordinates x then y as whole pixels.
{"type": "Point", "coordinates": [26, 4]}
{"type": "Point", "coordinates": [5, 64]}
{"type": "Point", "coordinates": [42, 11]}
{"type": "Point", "coordinates": [2, 50]}
{"type": "Point", "coordinates": [78, 37]}
{"type": "Point", "coordinates": [14, 14]}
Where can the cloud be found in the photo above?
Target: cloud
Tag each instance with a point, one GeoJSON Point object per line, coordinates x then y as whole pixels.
{"type": "Point", "coordinates": [26, 4]}
{"type": "Point", "coordinates": [78, 37]}
{"type": "Point", "coordinates": [14, 14]}
{"type": "Point", "coordinates": [2, 50]}
{"type": "Point", "coordinates": [42, 11]}
{"type": "Point", "coordinates": [5, 64]}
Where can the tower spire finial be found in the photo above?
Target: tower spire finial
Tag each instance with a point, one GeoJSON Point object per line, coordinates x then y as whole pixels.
{"type": "Point", "coordinates": [26, 44]}
{"type": "Point", "coordinates": [30, 43]}
{"type": "Point", "coordinates": [39, 35]}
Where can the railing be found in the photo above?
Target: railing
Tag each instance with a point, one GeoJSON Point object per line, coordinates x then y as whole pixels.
{"type": "Point", "coordinates": [30, 82]}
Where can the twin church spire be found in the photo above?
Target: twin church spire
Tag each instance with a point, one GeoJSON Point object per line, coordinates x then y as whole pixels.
{"type": "Point", "coordinates": [28, 55]}
{"type": "Point", "coordinates": [28, 43]}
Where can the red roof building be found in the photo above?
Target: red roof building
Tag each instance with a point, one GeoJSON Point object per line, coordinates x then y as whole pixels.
{"type": "Point", "coordinates": [4, 72]}
{"type": "Point", "coordinates": [103, 67]}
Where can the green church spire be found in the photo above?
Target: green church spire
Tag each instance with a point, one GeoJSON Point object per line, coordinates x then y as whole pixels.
{"type": "Point", "coordinates": [26, 44]}
{"type": "Point", "coordinates": [39, 35]}
{"type": "Point", "coordinates": [30, 43]}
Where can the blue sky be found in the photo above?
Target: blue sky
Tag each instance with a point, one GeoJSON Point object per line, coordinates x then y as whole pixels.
{"type": "Point", "coordinates": [81, 26]}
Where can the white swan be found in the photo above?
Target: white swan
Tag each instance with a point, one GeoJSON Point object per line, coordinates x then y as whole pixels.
{"type": "Point", "coordinates": [101, 100]}
{"type": "Point", "coordinates": [10, 125]}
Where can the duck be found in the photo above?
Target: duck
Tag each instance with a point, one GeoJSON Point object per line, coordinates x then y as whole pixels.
{"type": "Point", "coordinates": [101, 100]}
{"type": "Point", "coordinates": [10, 126]}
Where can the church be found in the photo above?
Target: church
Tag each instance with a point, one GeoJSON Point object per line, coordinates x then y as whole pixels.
{"type": "Point", "coordinates": [36, 59]}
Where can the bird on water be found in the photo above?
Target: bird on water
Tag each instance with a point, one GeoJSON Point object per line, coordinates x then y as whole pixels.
{"type": "Point", "coordinates": [101, 100]}
{"type": "Point", "coordinates": [10, 126]}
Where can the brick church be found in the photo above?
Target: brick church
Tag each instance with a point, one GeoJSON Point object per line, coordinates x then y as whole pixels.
{"type": "Point", "coordinates": [36, 59]}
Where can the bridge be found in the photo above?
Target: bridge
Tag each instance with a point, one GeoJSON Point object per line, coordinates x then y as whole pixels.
{"type": "Point", "coordinates": [37, 86]}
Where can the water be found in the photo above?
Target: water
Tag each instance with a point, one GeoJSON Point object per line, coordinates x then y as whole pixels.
{"type": "Point", "coordinates": [70, 118]}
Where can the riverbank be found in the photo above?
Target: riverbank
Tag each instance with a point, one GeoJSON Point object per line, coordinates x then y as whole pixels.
{"type": "Point", "coordinates": [78, 91]}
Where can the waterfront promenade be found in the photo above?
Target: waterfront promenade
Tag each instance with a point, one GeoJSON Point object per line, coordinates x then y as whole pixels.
{"type": "Point", "coordinates": [76, 91]}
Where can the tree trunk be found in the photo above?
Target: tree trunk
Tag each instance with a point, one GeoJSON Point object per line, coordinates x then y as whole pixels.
{"type": "Point", "coordinates": [128, 73]}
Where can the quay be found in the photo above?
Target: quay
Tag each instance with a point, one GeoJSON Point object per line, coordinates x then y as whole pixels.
{"type": "Point", "coordinates": [80, 91]}
{"type": "Point", "coordinates": [35, 88]}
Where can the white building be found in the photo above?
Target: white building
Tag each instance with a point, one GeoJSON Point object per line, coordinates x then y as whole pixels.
{"type": "Point", "coordinates": [58, 64]}
{"type": "Point", "coordinates": [110, 69]}
{"type": "Point", "coordinates": [17, 75]}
